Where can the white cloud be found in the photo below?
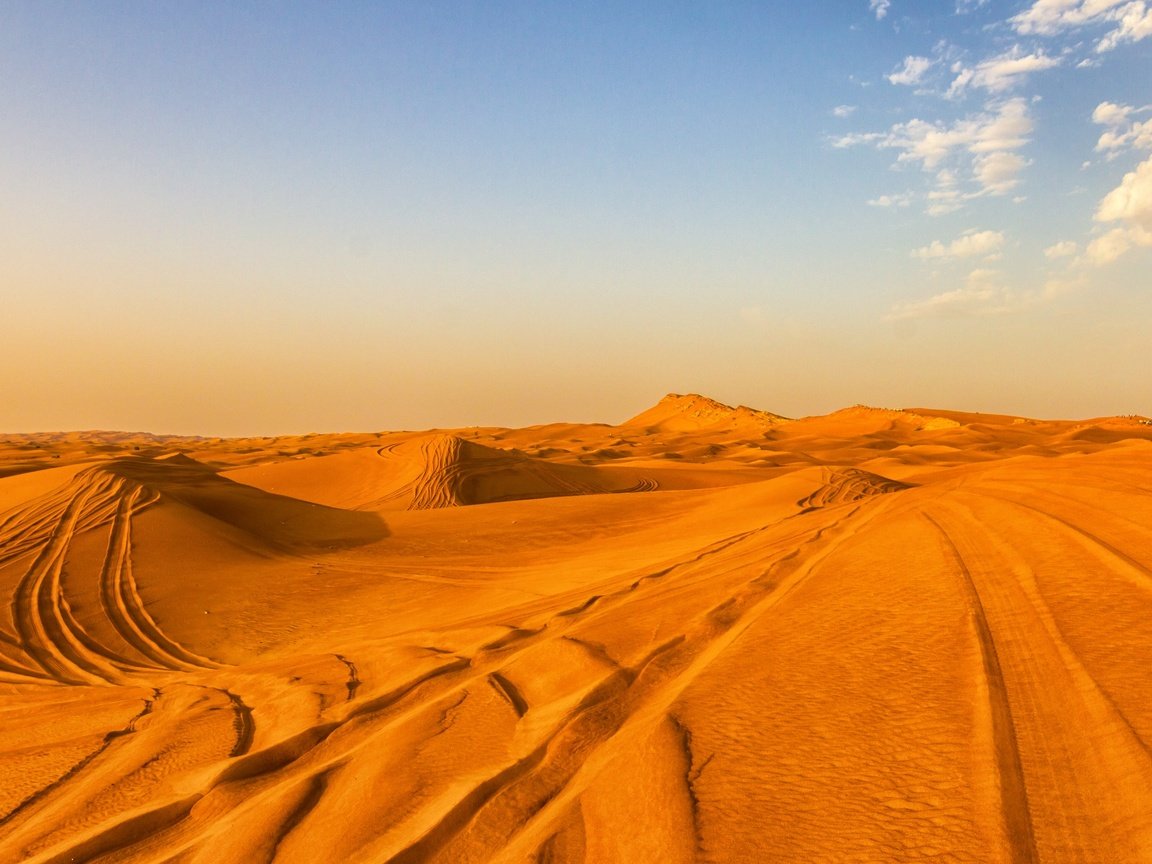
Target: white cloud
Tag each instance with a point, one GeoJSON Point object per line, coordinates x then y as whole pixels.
{"type": "Point", "coordinates": [1049, 17]}
{"type": "Point", "coordinates": [1111, 114]}
{"type": "Point", "coordinates": [1001, 73]}
{"type": "Point", "coordinates": [1129, 204]}
{"type": "Point", "coordinates": [1007, 129]}
{"type": "Point", "coordinates": [982, 295]}
{"type": "Point", "coordinates": [944, 201]}
{"type": "Point", "coordinates": [880, 7]}
{"type": "Point", "coordinates": [1124, 20]}
{"type": "Point", "coordinates": [975, 244]}
{"type": "Point", "coordinates": [911, 71]}
{"type": "Point", "coordinates": [998, 172]}
{"type": "Point", "coordinates": [901, 200]}
{"type": "Point", "coordinates": [1138, 136]}
{"type": "Point", "coordinates": [1135, 24]}
{"type": "Point", "coordinates": [1131, 201]}
{"type": "Point", "coordinates": [963, 7]}
{"type": "Point", "coordinates": [854, 138]}
{"type": "Point", "coordinates": [1108, 247]}
{"type": "Point", "coordinates": [970, 158]}
{"type": "Point", "coordinates": [931, 143]}
{"type": "Point", "coordinates": [843, 111]}
{"type": "Point", "coordinates": [1063, 249]}
{"type": "Point", "coordinates": [1122, 133]}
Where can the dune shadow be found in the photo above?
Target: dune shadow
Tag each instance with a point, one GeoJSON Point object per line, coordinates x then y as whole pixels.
{"type": "Point", "coordinates": [278, 520]}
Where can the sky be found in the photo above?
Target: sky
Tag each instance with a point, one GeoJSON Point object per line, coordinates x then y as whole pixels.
{"type": "Point", "coordinates": [272, 218]}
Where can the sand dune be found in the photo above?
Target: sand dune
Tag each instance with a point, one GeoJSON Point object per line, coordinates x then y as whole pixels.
{"type": "Point", "coordinates": [692, 412]}
{"type": "Point", "coordinates": [705, 634]}
{"type": "Point", "coordinates": [431, 471]}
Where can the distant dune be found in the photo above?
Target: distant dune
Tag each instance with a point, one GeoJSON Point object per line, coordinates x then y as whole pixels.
{"type": "Point", "coordinates": [709, 633]}
{"type": "Point", "coordinates": [691, 413]}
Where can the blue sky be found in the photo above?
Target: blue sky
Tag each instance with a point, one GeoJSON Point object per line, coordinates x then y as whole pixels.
{"type": "Point", "coordinates": [286, 217]}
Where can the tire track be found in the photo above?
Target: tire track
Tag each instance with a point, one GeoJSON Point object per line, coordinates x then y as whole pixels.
{"type": "Point", "coordinates": [353, 682]}
{"type": "Point", "coordinates": [135, 785]}
{"type": "Point", "coordinates": [122, 603]}
{"type": "Point", "coordinates": [1104, 553]}
{"type": "Point", "coordinates": [26, 529]}
{"type": "Point", "coordinates": [616, 713]}
{"type": "Point", "coordinates": [40, 624]}
{"type": "Point", "coordinates": [1095, 544]}
{"type": "Point", "coordinates": [849, 484]}
{"type": "Point", "coordinates": [544, 770]}
{"type": "Point", "coordinates": [1012, 789]}
{"type": "Point", "coordinates": [1084, 767]}
{"type": "Point", "coordinates": [47, 631]}
{"type": "Point", "coordinates": [109, 739]}
{"type": "Point", "coordinates": [552, 764]}
{"type": "Point", "coordinates": [242, 723]}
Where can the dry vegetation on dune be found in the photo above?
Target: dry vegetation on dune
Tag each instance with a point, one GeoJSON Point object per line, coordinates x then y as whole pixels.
{"type": "Point", "coordinates": [706, 634]}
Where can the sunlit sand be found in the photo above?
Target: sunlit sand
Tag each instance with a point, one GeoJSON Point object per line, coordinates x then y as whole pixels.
{"type": "Point", "coordinates": [706, 634]}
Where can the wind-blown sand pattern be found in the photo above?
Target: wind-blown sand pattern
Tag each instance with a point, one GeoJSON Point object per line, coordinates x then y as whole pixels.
{"type": "Point", "coordinates": [707, 634]}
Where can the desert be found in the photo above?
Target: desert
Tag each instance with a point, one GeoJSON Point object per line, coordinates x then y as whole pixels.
{"type": "Point", "coordinates": [704, 634]}
{"type": "Point", "coordinates": [520, 432]}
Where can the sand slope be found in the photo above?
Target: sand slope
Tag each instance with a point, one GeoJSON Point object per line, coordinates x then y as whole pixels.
{"type": "Point", "coordinates": [863, 637]}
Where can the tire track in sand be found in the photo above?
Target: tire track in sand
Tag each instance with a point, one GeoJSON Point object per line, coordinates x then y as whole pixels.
{"type": "Point", "coordinates": [44, 632]}
{"type": "Point", "coordinates": [618, 713]}
{"type": "Point", "coordinates": [48, 634]}
{"type": "Point", "coordinates": [123, 605]}
{"type": "Point", "coordinates": [1088, 777]}
{"type": "Point", "coordinates": [1017, 819]}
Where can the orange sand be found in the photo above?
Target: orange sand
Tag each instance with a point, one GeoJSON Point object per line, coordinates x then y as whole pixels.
{"type": "Point", "coordinates": [707, 634]}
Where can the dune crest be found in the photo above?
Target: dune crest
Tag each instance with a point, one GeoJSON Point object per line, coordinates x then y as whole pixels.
{"type": "Point", "coordinates": [692, 412]}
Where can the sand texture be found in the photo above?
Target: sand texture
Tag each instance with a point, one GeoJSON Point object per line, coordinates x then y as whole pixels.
{"type": "Point", "coordinates": [707, 634]}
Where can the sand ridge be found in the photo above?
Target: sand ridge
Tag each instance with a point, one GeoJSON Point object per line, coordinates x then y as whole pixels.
{"type": "Point", "coordinates": [711, 635]}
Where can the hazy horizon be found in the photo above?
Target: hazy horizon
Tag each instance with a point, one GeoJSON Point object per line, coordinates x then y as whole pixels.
{"type": "Point", "coordinates": [268, 220]}
{"type": "Point", "coordinates": [615, 421]}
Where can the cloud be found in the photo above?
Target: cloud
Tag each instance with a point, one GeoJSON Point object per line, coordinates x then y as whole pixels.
{"type": "Point", "coordinates": [1007, 129]}
{"type": "Point", "coordinates": [901, 200]}
{"type": "Point", "coordinates": [843, 111]}
{"type": "Point", "coordinates": [1130, 205]}
{"type": "Point", "coordinates": [998, 172]}
{"type": "Point", "coordinates": [1063, 249]}
{"type": "Point", "coordinates": [1123, 133]}
{"type": "Point", "coordinates": [1124, 20]}
{"type": "Point", "coordinates": [931, 143]}
{"type": "Point", "coordinates": [911, 71]}
{"type": "Point", "coordinates": [963, 7]}
{"type": "Point", "coordinates": [975, 244]}
{"type": "Point", "coordinates": [1111, 114]}
{"type": "Point", "coordinates": [1001, 73]}
{"type": "Point", "coordinates": [1108, 247]}
{"type": "Point", "coordinates": [976, 151]}
{"type": "Point", "coordinates": [1138, 136]}
{"type": "Point", "coordinates": [852, 139]}
{"type": "Point", "coordinates": [880, 7]}
{"type": "Point", "coordinates": [1135, 24]}
{"type": "Point", "coordinates": [983, 295]}
{"type": "Point", "coordinates": [1131, 201]}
